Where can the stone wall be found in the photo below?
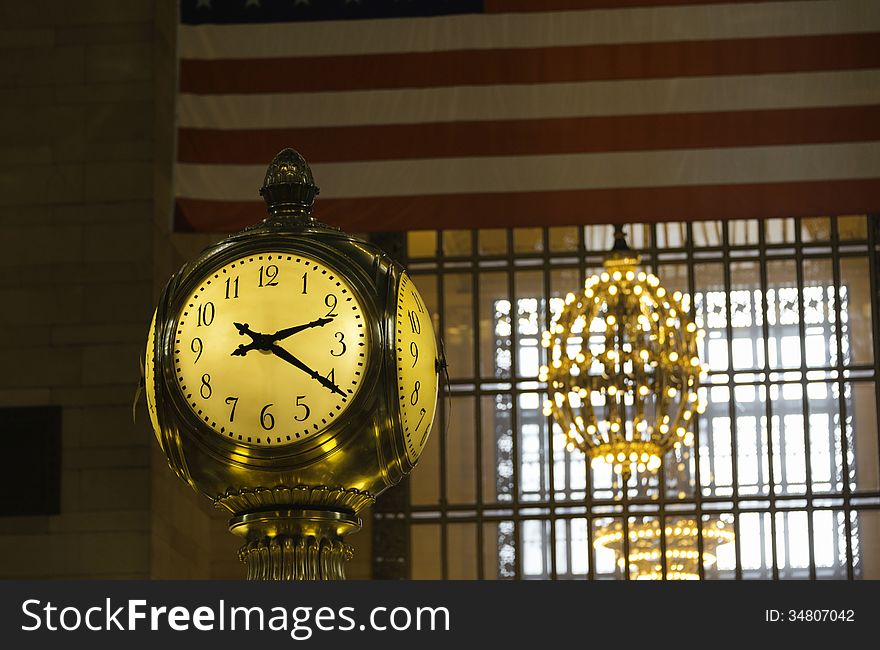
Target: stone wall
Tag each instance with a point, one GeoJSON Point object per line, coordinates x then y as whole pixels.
{"type": "Point", "coordinates": [76, 272]}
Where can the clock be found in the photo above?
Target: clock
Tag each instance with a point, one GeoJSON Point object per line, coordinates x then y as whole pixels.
{"type": "Point", "coordinates": [271, 348]}
{"type": "Point", "coordinates": [416, 367]}
{"type": "Point", "coordinates": [291, 374]}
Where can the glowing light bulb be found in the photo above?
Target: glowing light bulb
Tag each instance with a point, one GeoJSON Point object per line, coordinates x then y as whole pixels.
{"type": "Point", "coordinates": [661, 292]}
{"type": "Point", "coordinates": [671, 392]}
{"type": "Point", "coordinates": [612, 290]}
{"type": "Point", "coordinates": [673, 356]}
{"type": "Point", "coordinates": [611, 319]}
{"type": "Point", "coordinates": [605, 277]}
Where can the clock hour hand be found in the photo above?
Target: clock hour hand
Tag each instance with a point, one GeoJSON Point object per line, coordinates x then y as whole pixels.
{"type": "Point", "coordinates": [284, 354]}
{"type": "Point", "coordinates": [283, 334]}
{"type": "Point", "coordinates": [259, 341]}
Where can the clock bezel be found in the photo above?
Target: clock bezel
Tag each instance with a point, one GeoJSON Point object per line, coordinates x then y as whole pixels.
{"type": "Point", "coordinates": [296, 452]}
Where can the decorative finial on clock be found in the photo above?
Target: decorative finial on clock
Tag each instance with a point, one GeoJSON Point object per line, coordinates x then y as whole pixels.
{"type": "Point", "coordinates": [289, 189]}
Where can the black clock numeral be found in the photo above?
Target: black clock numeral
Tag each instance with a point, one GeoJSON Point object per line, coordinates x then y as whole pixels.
{"type": "Point", "coordinates": [341, 338]}
{"type": "Point", "coordinates": [305, 282]}
{"type": "Point", "coordinates": [206, 314]}
{"type": "Point", "coordinates": [268, 275]}
{"type": "Point", "coordinates": [414, 323]}
{"type": "Point", "coordinates": [234, 402]}
{"type": "Point", "coordinates": [299, 403]}
{"type": "Point", "coordinates": [267, 420]}
{"type": "Point", "coordinates": [231, 288]}
{"type": "Point", "coordinates": [205, 389]}
{"type": "Point", "coordinates": [422, 414]}
{"type": "Point", "coordinates": [419, 304]}
{"type": "Point", "coordinates": [332, 375]}
{"type": "Point", "coordinates": [330, 300]}
{"type": "Point", "coordinates": [414, 351]}
{"type": "Point", "coordinates": [414, 397]}
{"type": "Point", "coordinates": [196, 346]}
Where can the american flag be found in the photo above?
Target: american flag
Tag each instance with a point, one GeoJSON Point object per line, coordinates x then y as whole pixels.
{"type": "Point", "coordinates": [466, 113]}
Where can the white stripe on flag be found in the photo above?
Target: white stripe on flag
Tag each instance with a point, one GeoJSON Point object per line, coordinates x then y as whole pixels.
{"type": "Point", "coordinates": [554, 172]}
{"type": "Point", "coordinates": [642, 97]}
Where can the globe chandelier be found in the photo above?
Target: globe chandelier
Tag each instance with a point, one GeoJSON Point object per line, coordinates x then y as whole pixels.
{"type": "Point", "coordinates": [623, 369]}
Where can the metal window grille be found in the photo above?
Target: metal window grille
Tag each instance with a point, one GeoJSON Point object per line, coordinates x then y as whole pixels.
{"type": "Point", "coordinates": [786, 454]}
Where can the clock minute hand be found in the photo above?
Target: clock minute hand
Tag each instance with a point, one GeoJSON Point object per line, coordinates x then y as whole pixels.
{"type": "Point", "coordinates": [284, 354]}
{"type": "Point", "coordinates": [283, 334]}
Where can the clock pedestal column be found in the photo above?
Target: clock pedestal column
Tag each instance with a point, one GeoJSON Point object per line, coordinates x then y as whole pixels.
{"type": "Point", "coordinates": [295, 533]}
{"type": "Point", "coordinates": [295, 544]}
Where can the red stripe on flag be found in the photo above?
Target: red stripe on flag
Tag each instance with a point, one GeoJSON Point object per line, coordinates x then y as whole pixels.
{"type": "Point", "coordinates": [519, 209]}
{"type": "Point", "coordinates": [527, 66]}
{"type": "Point", "coordinates": [536, 137]}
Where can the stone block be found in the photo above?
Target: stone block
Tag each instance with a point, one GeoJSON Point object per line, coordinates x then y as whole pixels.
{"type": "Point", "coordinates": [123, 241]}
{"type": "Point", "coordinates": [25, 397]}
{"type": "Point", "coordinates": [102, 426]}
{"type": "Point", "coordinates": [24, 184]}
{"type": "Point", "coordinates": [30, 38]}
{"type": "Point", "coordinates": [106, 457]}
{"type": "Point", "coordinates": [62, 12]}
{"type": "Point", "coordinates": [99, 333]}
{"type": "Point", "coordinates": [33, 67]}
{"type": "Point", "coordinates": [119, 33]}
{"type": "Point", "coordinates": [120, 120]}
{"type": "Point", "coordinates": [41, 366]}
{"type": "Point", "coordinates": [41, 304]}
{"type": "Point", "coordinates": [111, 364]}
{"type": "Point", "coordinates": [111, 553]}
{"type": "Point", "coordinates": [120, 302]}
{"type": "Point", "coordinates": [41, 245]}
{"type": "Point", "coordinates": [114, 62]}
{"type": "Point", "coordinates": [26, 154]}
{"type": "Point", "coordinates": [118, 181]}
{"type": "Point", "coordinates": [97, 95]}
{"type": "Point", "coordinates": [119, 488]}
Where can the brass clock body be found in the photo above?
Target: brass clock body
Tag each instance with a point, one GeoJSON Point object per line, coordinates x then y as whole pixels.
{"type": "Point", "coordinates": [291, 377]}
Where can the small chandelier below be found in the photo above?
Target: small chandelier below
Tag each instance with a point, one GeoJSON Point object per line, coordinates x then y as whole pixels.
{"type": "Point", "coordinates": [623, 367]}
{"type": "Point", "coordinates": [681, 541]}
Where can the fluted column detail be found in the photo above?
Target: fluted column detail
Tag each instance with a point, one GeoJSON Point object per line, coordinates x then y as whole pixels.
{"type": "Point", "coordinates": [295, 544]}
{"type": "Point", "coordinates": [295, 558]}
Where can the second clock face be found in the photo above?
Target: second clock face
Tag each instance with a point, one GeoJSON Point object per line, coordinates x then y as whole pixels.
{"type": "Point", "coordinates": [271, 348]}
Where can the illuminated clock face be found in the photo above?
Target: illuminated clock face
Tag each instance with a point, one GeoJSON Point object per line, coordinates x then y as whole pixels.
{"type": "Point", "coordinates": [416, 367]}
{"type": "Point", "coordinates": [271, 349]}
